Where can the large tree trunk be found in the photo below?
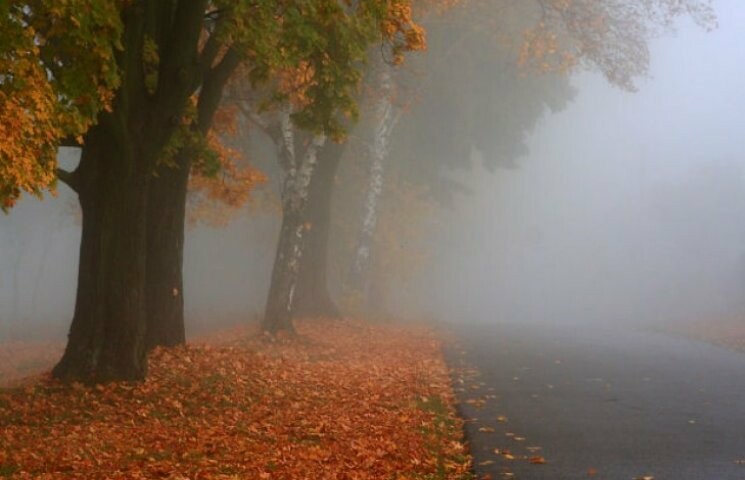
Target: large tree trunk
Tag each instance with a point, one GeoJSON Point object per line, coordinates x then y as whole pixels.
{"type": "Point", "coordinates": [166, 222]}
{"type": "Point", "coordinates": [107, 336]}
{"type": "Point", "coordinates": [165, 255]}
{"type": "Point", "coordinates": [131, 250]}
{"type": "Point", "coordinates": [312, 297]}
{"type": "Point", "coordinates": [279, 306]}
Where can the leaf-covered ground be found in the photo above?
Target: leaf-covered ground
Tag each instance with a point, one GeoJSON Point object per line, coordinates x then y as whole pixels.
{"type": "Point", "coordinates": [343, 400]}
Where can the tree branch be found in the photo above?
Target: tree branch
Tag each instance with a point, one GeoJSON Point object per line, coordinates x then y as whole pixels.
{"type": "Point", "coordinates": [256, 119]}
{"type": "Point", "coordinates": [212, 88]}
{"type": "Point", "coordinates": [69, 178]}
{"type": "Point", "coordinates": [70, 141]}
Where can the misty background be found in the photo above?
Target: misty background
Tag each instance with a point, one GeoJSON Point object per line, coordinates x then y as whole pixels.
{"type": "Point", "coordinates": [627, 208]}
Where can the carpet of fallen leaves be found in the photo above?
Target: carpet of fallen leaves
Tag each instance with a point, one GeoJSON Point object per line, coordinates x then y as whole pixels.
{"type": "Point", "coordinates": [342, 400]}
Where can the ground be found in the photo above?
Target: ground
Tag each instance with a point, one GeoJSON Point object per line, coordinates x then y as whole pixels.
{"type": "Point", "coordinates": [728, 332]}
{"type": "Point", "coordinates": [343, 400]}
{"type": "Point", "coordinates": [570, 402]}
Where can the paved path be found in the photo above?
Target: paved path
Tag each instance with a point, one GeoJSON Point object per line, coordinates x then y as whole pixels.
{"type": "Point", "coordinates": [601, 404]}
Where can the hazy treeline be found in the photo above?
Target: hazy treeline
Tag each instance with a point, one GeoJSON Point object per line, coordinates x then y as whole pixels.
{"type": "Point", "coordinates": [480, 182]}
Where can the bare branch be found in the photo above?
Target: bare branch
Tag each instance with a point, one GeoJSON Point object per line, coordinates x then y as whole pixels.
{"type": "Point", "coordinates": [68, 178]}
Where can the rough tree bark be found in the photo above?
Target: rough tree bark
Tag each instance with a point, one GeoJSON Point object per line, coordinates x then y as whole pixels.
{"type": "Point", "coordinates": [298, 171]}
{"type": "Point", "coordinates": [106, 339]}
{"type": "Point", "coordinates": [165, 255]}
{"type": "Point", "coordinates": [107, 336]}
{"type": "Point", "coordinates": [312, 297]}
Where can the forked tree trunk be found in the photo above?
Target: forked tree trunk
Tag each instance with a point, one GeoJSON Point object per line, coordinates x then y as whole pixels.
{"type": "Point", "coordinates": [132, 240]}
{"type": "Point", "coordinates": [107, 336]}
{"type": "Point", "coordinates": [312, 297]}
{"type": "Point", "coordinates": [279, 306]}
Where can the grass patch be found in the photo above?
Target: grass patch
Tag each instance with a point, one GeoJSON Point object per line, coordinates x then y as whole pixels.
{"type": "Point", "coordinates": [444, 429]}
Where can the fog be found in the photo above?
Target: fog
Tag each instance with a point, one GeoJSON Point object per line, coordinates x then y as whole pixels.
{"type": "Point", "coordinates": [628, 208]}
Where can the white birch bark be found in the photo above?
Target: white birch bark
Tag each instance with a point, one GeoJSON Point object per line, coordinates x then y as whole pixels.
{"type": "Point", "coordinates": [294, 196]}
{"type": "Point", "coordinates": [387, 116]}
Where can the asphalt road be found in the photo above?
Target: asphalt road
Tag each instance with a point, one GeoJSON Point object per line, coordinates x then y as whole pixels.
{"type": "Point", "coordinates": [600, 404]}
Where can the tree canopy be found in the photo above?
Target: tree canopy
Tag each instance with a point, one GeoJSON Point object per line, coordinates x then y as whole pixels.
{"type": "Point", "coordinates": [62, 63]}
{"type": "Point", "coordinates": [49, 91]}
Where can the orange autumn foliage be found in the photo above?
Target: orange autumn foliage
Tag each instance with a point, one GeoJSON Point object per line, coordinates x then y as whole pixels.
{"type": "Point", "coordinates": [45, 96]}
{"type": "Point", "coordinates": [216, 197]}
{"type": "Point", "coordinates": [345, 400]}
{"type": "Point", "coordinates": [400, 25]}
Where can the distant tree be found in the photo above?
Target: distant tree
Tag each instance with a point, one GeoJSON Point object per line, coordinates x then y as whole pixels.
{"type": "Point", "coordinates": [491, 71]}
{"type": "Point", "coordinates": [302, 141]}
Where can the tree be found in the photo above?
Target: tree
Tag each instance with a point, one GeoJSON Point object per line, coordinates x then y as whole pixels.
{"type": "Point", "coordinates": [133, 207]}
{"type": "Point", "coordinates": [407, 215]}
{"type": "Point", "coordinates": [299, 139]}
{"type": "Point", "coordinates": [312, 296]}
{"type": "Point", "coordinates": [140, 103]}
{"type": "Point", "coordinates": [491, 71]}
{"type": "Point", "coordinates": [386, 116]}
{"type": "Point", "coordinates": [46, 93]}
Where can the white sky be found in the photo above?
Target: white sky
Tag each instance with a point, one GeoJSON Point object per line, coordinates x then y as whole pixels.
{"type": "Point", "coordinates": [572, 233]}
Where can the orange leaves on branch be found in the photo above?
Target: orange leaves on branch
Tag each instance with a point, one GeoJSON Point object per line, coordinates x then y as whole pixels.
{"type": "Point", "coordinates": [401, 31]}
{"type": "Point", "coordinates": [28, 135]}
{"type": "Point", "coordinates": [295, 82]}
{"type": "Point", "coordinates": [225, 120]}
{"type": "Point", "coordinates": [610, 35]}
{"type": "Point", "coordinates": [541, 51]}
{"type": "Point", "coordinates": [214, 198]}
{"type": "Point", "coordinates": [48, 90]}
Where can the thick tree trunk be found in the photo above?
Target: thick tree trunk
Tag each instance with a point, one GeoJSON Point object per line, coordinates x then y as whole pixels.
{"type": "Point", "coordinates": [312, 297]}
{"type": "Point", "coordinates": [107, 336]}
{"type": "Point", "coordinates": [130, 253]}
{"type": "Point", "coordinates": [280, 300]}
{"type": "Point", "coordinates": [166, 218]}
{"type": "Point", "coordinates": [165, 255]}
